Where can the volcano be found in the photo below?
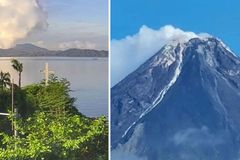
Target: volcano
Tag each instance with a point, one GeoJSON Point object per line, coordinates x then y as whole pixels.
{"type": "Point", "coordinates": [183, 103]}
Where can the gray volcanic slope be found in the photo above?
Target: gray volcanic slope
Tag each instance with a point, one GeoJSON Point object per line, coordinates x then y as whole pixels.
{"type": "Point", "coordinates": [181, 104]}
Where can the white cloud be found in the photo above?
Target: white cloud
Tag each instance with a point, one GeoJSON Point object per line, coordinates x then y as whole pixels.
{"type": "Point", "coordinates": [18, 19]}
{"type": "Point", "coordinates": [198, 137]}
{"type": "Point", "coordinates": [122, 154]}
{"type": "Point", "coordinates": [128, 151]}
{"type": "Point", "coordinates": [77, 44]}
{"type": "Point", "coordinates": [129, 53]}
{"type": "Point", "coordinates": [39, 43]}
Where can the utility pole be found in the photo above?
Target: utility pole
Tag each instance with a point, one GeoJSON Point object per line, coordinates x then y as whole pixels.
{"type": "Point", "coordinates": [46, 72]}
{"type": "Point", "coordinates": [15, 122]}
{"type": "Point", "coordinates": [13, 104]}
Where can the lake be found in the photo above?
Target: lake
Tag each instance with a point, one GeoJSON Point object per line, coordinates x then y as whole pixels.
{"type": "Point", "coordinates": [88, 78]}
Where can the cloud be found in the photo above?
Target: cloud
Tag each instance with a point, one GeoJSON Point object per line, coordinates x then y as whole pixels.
{"type": "Point", "coordinates": [198, 137]}
{"type": "Point", "coordinates": [18, 19]}
{"type": "Point", "coordinates": [192, 143]}
{"type": "Point", "coordinates": [121, 154]}
{"type": "Point", "coordinates": [77, 44]}
{"type": "Point", "coordinates": [128, 151]}
{"type": "Point", "coordinates": [129, 53]}
{"type": "Point", "coordinates": [39, 43]}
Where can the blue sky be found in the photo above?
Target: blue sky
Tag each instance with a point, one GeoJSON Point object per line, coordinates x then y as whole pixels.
{"type": "Point", "coordinates": [219, 18]}
{"type": "Point", "coordinates": [73, 23]}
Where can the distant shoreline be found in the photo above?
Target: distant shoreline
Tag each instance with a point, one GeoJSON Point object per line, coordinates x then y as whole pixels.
{"type": "Point", "coordinates": [30, 56]}
{"type": "Point", "coordinates": [29, 50]}
{"type": "Point", "coordinates": [52, 58]}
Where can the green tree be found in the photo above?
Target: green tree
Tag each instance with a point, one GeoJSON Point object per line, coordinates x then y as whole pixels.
{"type": "Point", "coordinates": [4, 80]}
{"type": "Point", "coordinates": [50, 127]}
{"type": "Point", "coordinates": [70, 137]}
{"type": "Point", "coordinates": [19, 68]}
{"type": "Point", "coordinates": [53, 98]}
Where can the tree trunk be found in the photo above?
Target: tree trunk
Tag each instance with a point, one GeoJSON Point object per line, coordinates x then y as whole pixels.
{"type": "Point", "coordinates": [19, 79]}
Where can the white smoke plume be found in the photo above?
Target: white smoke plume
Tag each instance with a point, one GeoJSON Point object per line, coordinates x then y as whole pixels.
{"type": "Point", "coordinates": [18, 18]}
{"type": "Point", "coordinates": [129, 53]}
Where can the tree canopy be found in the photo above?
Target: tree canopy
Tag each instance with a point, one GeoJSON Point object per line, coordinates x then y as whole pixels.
{"type": "Point", "coordinates": [18, 66]}
{"type": "Point", "coordinates": [50, 127]}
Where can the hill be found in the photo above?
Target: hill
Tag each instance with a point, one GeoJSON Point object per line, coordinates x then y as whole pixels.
{"type": "Point", "coordinates": [30, 50]}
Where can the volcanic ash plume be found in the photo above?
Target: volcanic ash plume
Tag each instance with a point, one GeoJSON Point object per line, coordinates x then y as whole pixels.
{"type": "Point", "coordinates": [18, 18]}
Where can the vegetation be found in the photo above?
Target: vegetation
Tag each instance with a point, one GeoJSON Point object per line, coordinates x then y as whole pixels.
{"type": "Point", "coordinates": [4, 80]}
{"type": "Point", "coordinates": [49, 127]}
{"type": "Point", "coordinates": [19, 68]}
{"type": "Point", "coordinates": [45, 136]}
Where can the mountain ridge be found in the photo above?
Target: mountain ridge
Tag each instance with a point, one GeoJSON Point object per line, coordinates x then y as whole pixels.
{"type": "Point", "coordinates": [30, 50]}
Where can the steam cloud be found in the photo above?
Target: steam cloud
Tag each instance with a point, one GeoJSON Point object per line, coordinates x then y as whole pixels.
{"type": "Point", "coordinates": [121, 154]}
{"type": "Point", "coordinates": [77, 44]}
{"type": "Point", "coordinates": [129, 53]}
{"type": "Point", "coordinates": [18, 18]}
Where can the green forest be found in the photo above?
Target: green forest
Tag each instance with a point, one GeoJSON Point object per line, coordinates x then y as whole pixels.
{"type": "Point", "coordinates": [47, 126]}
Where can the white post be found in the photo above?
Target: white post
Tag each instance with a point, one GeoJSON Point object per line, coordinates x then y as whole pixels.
{"type": "Point", "coordinates": [4, 114]}
{"type": "Point", "coordinates": [12, 103]}
{"type": "Point", "coordinates": [15, 123]}
{"type": "Point", "coordinates": [46, 72]}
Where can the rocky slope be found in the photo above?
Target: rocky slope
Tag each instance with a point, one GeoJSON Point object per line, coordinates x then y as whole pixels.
{"type": "Point", "coordinates": [183, 102]}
